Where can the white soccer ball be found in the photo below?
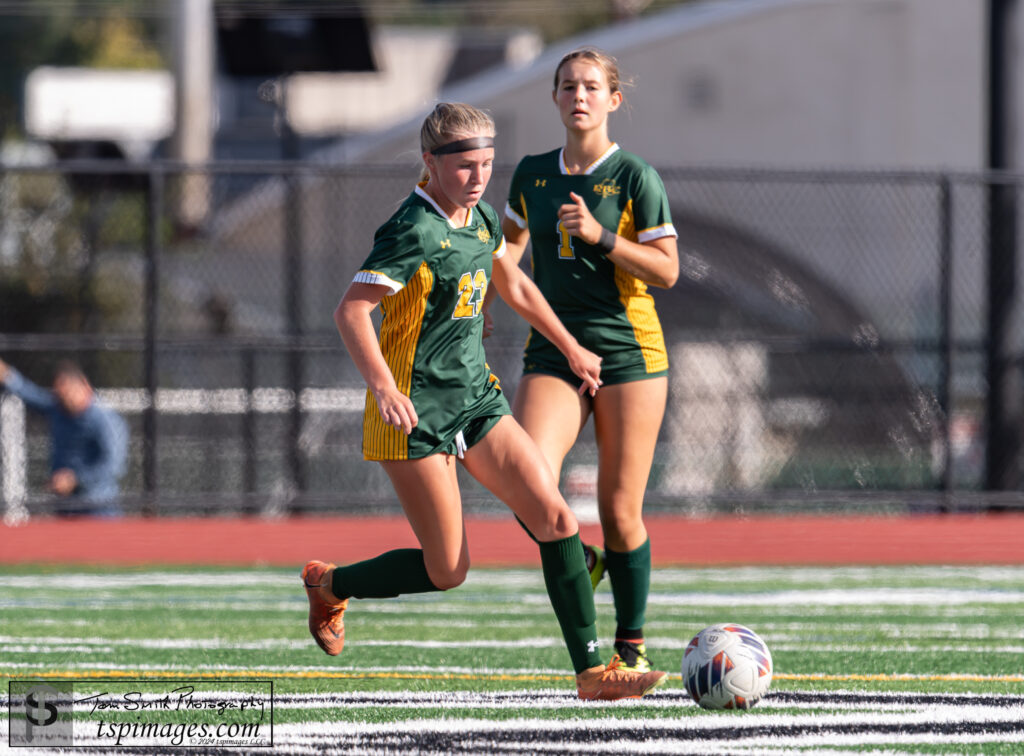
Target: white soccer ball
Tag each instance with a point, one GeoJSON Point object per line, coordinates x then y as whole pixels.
{"type": "Point", "coordinates": [727, 667]}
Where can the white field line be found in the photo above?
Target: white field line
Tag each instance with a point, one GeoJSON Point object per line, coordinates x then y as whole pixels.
{"type": "Point", "coordinates": [840, 699]}
{"type": "Point", "coordinates": [853, 574]}
{"type": "Point", "coordinates": [230, 579]}
{"type": "Point", "coordinates": [488, 580]}
{"type": "Point", "coordinates": [800, 630]}
{"type": "Point", "coordinates": [874, 599]}
{"type": "Point", "coordinates": [556, 699]}
{"type": "Point", "coordinates": [418, 607]}
{"type": "Point", "coordinates": [54, 644]}
{"type": "Point", "coordinates": [751, 720]}
{"type": "Point", "coordinates": [734, 725]}
{"type": "Point", "coordinates": [794, 632]}
{"type": "Point", "coordinates": [765, 746]}
{"type": "Point", "coordinates": [842, 597]}
{"type": "Point", "coordinates": [418, 622]}
{"type": "Point", "coordinates": [312, 671]}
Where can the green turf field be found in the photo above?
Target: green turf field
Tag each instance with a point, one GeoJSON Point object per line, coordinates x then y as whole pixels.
{"type": "Point", "coordinates": [867, 660]}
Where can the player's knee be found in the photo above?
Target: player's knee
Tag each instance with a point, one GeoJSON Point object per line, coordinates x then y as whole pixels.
{"type": "Point", "coordinates": [448, 577]}
{"type": "Point", "coordinates": [558, 523]}
{"type": "Point", "coordinates": [621, 521]}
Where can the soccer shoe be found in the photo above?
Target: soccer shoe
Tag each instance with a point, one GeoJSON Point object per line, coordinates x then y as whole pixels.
{"type": "Point", "coordinates": [595, 564]}
{"type": "Point", "coordinates": [613, 682]}
{"type": "Point", "coordinates": [633, 655]}
{"type": "Point", "coordinates": [325, 611]}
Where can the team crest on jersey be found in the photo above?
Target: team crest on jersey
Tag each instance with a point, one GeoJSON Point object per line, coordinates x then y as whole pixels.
{"type": "Point", "coordinates": [483, 234]}
{"type": "Point", "coordinates": [607, 188]}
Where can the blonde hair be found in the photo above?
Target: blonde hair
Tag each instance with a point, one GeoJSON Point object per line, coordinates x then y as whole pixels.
{"type": "Point", "coordinates": [449, 121]}
{"type": "Point", "coordinates": [602, 60]}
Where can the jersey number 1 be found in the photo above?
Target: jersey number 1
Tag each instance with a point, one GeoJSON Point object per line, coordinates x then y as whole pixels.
{"type": "Point", "coordinates": [472, 288]}
{"type": "Point", "coordinates": [565, 250]}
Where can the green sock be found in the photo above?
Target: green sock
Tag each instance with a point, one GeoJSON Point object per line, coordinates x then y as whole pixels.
{"type": "Point", "coordinates": [630, 576]}
{"type": "Point", "coordinates": [386, 576]}
{"type": "Point", "coordinates": [572, 598]}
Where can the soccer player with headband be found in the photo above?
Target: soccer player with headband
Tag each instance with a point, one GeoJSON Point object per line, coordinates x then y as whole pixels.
{"type": "Point", "coordinates": [432, 402]}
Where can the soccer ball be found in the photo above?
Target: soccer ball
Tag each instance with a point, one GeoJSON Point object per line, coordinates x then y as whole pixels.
{"type": "Point", "coordinates": [727, 667]}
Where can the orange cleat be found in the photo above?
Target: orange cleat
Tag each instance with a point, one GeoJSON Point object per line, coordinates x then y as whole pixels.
{"type": "Point", "coordinates": [612, 683]}
{"type": "Point", "coordinates": [325, 610]}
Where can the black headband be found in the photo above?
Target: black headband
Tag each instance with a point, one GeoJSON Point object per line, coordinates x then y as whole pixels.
{"type": "Point", "coordinates": [464, 145]}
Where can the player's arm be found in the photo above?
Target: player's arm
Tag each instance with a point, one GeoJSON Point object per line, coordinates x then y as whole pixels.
{"type": "Point", "coordinates": [35, 397]}
{"type": "Point", "coordinates": [655, 262]}
{"type": "Point", "coordinates": [516, 239]}
{"type": "Point", "coordinates": [523, 296]}
{"type": "Point", "coordinates": [352, 317]}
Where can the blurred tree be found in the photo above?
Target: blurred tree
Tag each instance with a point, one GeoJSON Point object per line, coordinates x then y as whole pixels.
{"type": "Point", "coordinates": [114, 34]}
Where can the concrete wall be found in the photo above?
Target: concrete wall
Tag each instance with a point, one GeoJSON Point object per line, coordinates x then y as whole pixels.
{"type": "Point", "coordinates": [795, 83]}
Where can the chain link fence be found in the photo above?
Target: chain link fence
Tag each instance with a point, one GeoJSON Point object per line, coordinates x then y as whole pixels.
{"type": "Point", "coordinates": [827, 334]}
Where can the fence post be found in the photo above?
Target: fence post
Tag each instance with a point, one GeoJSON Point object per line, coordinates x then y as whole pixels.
{"type": "Point", "coordinates": [249, 430]}
{"type": "Point", "coordinates": [1004, 412]}
{"type": "Point", "coordinates": [293, 278]}
{"type": "Point", "coordinates": [154, 215]}
{"type": "Point", "coordinates": [946, 330]}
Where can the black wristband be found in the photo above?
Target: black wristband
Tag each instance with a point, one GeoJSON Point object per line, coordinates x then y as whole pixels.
{"type": "Point", "coordinates": [607, 240]}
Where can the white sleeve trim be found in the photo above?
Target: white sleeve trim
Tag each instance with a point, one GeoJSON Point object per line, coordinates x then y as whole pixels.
{"type": "Point", "coordinates": [515, 217]}
{"type": "Point", "coordinates": [658, 232]}
{"type": "Point", "coordinates": [373, 277]}
{"type": "Point", "coordinates": [500, 251]}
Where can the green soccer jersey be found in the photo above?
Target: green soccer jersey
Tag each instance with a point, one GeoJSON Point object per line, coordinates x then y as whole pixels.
{"type": "Point", "coordinates": [607, 309]}
{"type": "Point", "coordinates": [431, 330]}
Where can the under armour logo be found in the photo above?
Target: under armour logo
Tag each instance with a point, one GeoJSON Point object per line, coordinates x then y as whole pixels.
{"type": "Point", "coordinates": [446, 244]}
{"type": "Point", "coordinates": [541, 182]}
{"type": "Point", "coordinates": [592, 646]}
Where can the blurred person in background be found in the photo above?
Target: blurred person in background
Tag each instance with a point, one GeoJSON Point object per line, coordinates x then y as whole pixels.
{"type": "Point", "coordinates": [602, 233]}
{"type": "Point", "coordinates": [89, 440]}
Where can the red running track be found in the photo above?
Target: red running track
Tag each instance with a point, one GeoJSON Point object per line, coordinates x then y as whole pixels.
{"type": "Point", "coordinates": [766, 540]}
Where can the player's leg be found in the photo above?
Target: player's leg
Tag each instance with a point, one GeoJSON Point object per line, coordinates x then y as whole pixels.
{"type": "Point", "coordinates": [510, 465]}
{"type": "Point", "coordinates": [627, 418]}
{"type": "Point", "coordinates": [429, 493]}
{"type": "Point", "coordinates": [428, 490]}
{"type": "Point", "coordinates": [553, 413]}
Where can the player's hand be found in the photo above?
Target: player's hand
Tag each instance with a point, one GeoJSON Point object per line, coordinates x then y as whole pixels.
{"type": "Point", "coordinates": [396, 409]}
{"type": "Point", "coordinates": [578, 221]}
{"type": "Point", "coordinates": [488, 323]}
{"type": "Point", "coordinates": [63, 482]}
{"type": "Point", "coordinates": [587, 366]}
{"type": "Point", "coordinates": [4, 370]}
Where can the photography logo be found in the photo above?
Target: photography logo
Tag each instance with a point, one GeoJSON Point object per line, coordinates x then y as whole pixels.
{"type": "Point", "coordinates": [141, 713]}
{"type": "Point", "coordinates": [40, 714]}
